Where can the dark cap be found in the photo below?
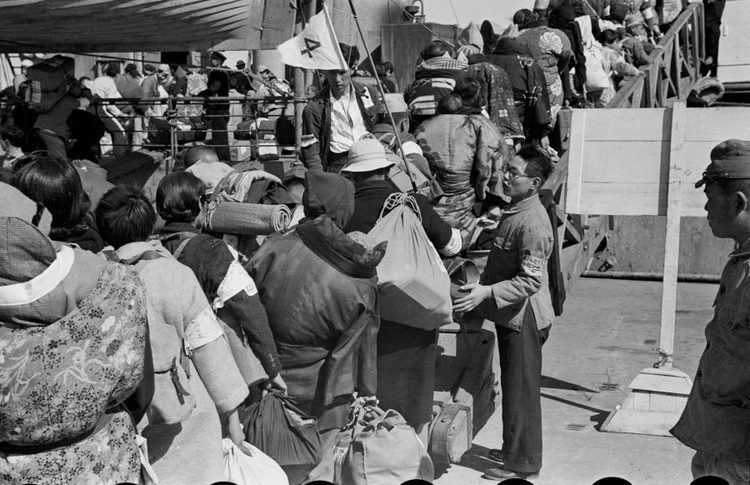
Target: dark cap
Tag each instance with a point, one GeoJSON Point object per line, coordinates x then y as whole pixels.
{"type": "Point", "coordinates": [131, 67]}
{"type": "Point", "coordinates": [730, 159]}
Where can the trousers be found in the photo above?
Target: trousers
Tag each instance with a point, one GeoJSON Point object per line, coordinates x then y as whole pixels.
{"type": "Point", "coordinates": [520, 380]}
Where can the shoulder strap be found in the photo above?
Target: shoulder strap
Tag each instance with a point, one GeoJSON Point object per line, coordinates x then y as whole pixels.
{"type": "Point", "coordinates": [184, 237]}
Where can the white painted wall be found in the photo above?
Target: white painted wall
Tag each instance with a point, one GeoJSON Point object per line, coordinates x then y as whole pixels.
{"type": "Point", "coordinates": [498, 11]}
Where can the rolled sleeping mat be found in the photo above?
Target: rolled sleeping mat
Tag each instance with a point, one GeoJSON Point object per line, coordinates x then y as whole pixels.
{"type": "Point", "coordinates": [247, 219]}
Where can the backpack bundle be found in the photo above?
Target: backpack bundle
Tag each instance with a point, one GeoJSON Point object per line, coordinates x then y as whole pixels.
{"type": "Point", "coordinates": [49, 81]}
{"type": "Point", "coordinates": [413, 284]}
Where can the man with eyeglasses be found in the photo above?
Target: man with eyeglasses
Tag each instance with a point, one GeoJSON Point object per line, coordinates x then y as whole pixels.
{"type": "Point", "coordinates": [513, 292]}
{"type": "Point", "coordinates": [716, 419]}
{"type": "Point", "coordinates": [339, 115]}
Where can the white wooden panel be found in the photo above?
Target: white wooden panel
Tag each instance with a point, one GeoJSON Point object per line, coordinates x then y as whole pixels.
{"type": "Point", "coordinates": [643, 124]}
{"type": "Point", "coordinates": [717, 124]}
{"type": "Point", "coordinates": [734, 56]}
{"type": "Point", "coordinates": [620, 199]}
{"type": "Point", "coordinates": [625, 161]}
{"type": "Point", "coordinates": [575, 162]}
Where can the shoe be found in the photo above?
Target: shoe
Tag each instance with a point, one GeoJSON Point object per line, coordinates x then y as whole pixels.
{"type": "Point", "coordinates": [503, 474]}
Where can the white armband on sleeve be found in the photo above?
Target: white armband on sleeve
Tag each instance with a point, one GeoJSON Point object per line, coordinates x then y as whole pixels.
{"type": "Point", "coordinates": [203, 329]}
{"type": "Point", "coordinates": [308, 140]}
{"type": "Point", "coordinates": [235, 281]}
{"type": "Point", "coordinates": [454, 245]}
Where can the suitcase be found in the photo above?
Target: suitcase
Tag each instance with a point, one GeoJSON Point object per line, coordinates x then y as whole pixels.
{"type": "Point", "coordinates": [451, 432]}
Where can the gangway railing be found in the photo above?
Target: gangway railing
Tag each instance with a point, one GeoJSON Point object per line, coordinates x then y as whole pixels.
{"type": "Point", "coordinates": [673, 67]}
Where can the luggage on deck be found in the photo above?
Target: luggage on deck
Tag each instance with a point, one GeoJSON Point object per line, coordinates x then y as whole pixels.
{"type": "Point", "coordinates": [49, 80]}
{"type": "Point", "coordinates": [283, 431]}
{"type": "Point", "coordinates": [414, 286]}
{"type": "Point", "coordinates": [377, 447]}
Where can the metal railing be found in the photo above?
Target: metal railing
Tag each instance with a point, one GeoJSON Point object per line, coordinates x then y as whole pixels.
{"type": "Point", "coordinates": [673, 67]}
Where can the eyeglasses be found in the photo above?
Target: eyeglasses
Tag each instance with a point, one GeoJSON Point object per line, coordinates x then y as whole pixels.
{"type": "Point", "coordinates": [513, 172]}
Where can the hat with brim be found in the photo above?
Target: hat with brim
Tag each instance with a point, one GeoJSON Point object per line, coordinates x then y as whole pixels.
{"type": "Point", "coordinates": [366, 155]}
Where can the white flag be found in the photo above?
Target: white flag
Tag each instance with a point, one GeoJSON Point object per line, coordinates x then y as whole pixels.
{"type": "Point", "coordinates": [316, 47]}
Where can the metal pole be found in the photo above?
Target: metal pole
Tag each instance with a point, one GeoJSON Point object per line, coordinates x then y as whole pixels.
{"type": "Point", "coordinates": [382, 93]}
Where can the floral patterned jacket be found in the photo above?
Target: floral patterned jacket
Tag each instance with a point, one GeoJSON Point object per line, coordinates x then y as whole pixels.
{"type": "Point", "coordinates": [61, 384]}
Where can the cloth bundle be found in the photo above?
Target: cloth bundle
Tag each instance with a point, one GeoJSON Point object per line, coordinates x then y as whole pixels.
{"type": "Point", "coordinates": [247, 219]}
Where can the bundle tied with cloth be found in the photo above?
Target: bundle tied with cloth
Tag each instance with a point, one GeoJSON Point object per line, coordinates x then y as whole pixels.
{"type": "Point", "coordinates": [236, 205]}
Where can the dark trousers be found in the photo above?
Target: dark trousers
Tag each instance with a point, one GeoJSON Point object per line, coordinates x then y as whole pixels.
{"type": "Point", "coordinates": [220, 136]}
{"type": "Point", "coordinates": [520, 379]}
{"type": "Point", "coordinates": [713, 12]}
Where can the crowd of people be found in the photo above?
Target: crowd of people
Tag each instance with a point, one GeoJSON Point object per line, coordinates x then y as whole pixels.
{"type": "Point", "coordinates": [127, 322]}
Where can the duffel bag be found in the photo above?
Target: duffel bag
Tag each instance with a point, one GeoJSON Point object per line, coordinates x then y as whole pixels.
{"type": "Point", "coordinates": [413, 284]}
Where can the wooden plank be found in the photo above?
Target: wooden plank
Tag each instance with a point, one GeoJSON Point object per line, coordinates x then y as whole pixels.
{"type": "Point", "coordinates": [575, 162]}
{"type": "Point", "coordinates": [622, 199]}
{"type": "Point", "coordinates": [632, 124]}
{"type": "Point", "coordinates": [672, 245]}
{"type": "Point", "coordinates": [717, 124]}
{"type": "Point", "coordinates": [625, 161]}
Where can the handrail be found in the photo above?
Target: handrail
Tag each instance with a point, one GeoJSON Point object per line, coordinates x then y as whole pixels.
{"type": "Point", "coordinates": [673, 67]}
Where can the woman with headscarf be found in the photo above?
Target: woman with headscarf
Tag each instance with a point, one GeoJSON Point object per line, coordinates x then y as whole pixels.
{"type": "Point", "coordinates": [552, 50]}
{"type": "Point", "coordinates": [465, 152]}
{"type": "Point", "coordinates": [72, 349]}
{"type": "Point", "coordinates": [529, 87]}
{"type": "Point", "coordinates": [318, 286]}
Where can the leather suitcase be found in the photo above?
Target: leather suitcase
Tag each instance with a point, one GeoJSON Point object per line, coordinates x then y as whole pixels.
{"type": "Point", "coordinates": [451, 432]}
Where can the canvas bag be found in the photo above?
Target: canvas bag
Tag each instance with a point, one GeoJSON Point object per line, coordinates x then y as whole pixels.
{"type": "Point", "coordinates": [377, 447]}
{"type": "Point", "coordinates": [413, 285]}
{"type": "Point", "coordinates": [283, 431]}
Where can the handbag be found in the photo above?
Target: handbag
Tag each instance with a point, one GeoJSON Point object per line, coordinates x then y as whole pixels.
{"type": "Point", "coordinates": [413, 284]}
{"type": "Point", "coordinates": [280, 429]}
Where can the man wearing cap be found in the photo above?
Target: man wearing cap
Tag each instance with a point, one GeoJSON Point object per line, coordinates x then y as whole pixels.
{"type": "Point", "coordinates": [716, 419]}
{"type": "Point", "coordinates": [339, 115]}
{"type": "Point", "coordinates": [406, 355]}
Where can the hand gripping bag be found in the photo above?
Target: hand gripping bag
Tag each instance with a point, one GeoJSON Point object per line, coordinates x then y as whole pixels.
{"type": "Point", "coordinates": [378, 448]}
{"type": "Point", "coordinates": [283, 431]}
{"type": "Point", "coordinates": [413, 285]}
{"type": "Point", "coordinates": [254, 469]}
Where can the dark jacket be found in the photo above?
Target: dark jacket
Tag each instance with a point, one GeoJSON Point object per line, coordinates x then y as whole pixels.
{"type": "Point", "coordinates": [316, 126]}
{"type": "Point", "coordinates": [245, 320]}
{"type": "Point", "coordinates": [319, 289]}
{"type": "Point", "coordinates": [529, 91]}
{"type": "Point", "coordinates": [368, 202]}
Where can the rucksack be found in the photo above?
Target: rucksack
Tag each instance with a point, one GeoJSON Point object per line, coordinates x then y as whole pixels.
{"type": "Point", "coordinates": [49, 80]}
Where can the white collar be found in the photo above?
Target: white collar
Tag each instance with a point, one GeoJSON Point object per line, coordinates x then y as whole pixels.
{"type": "Point", "coordinates": [40, 285]}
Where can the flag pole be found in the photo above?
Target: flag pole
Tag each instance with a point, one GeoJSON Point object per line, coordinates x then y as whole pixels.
{"type": "Point", "coordinates": [382, 93]}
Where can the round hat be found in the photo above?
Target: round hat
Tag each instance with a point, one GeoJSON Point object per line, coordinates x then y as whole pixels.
{"type": "Point", "coordinates": [366, 155]}
{"type": "Point", "coordinates": [730, 159]}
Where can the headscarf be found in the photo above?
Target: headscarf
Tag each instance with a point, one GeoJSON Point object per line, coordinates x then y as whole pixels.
{"type": "Point", "coordinates": [328, 194]}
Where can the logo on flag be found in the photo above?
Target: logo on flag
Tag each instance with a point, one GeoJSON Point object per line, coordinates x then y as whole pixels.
{"type": "Point", "coordinates": [316, 47]}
